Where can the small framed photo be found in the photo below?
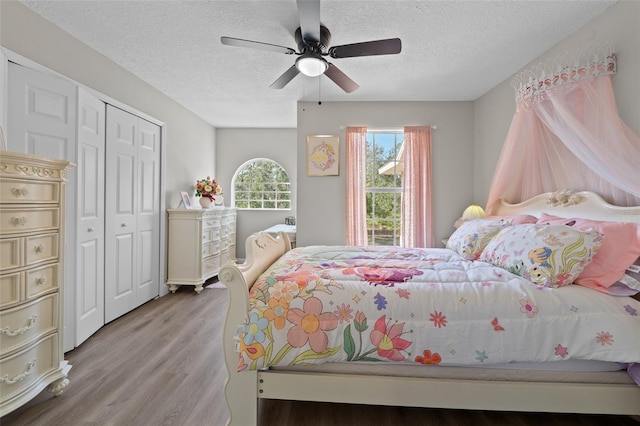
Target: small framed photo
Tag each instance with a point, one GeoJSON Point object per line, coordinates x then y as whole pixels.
{"type": "Point", "coordinates": [323, 155]}
{"type": "Point", "coordinates": [186, 200]}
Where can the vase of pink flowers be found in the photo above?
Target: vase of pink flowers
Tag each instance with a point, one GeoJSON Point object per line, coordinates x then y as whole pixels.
{"type": "Point", "coordinates": [208, 189]}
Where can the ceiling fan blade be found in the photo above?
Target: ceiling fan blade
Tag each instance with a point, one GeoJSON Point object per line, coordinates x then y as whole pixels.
{"type": "Point", "coordinates": [285, 78]}
{"type": "Point", "coordinates": [390, 46]}
{"type": "Point", "coordinates": [238, 42]}
{"type": "Point", "coordinates": [309, 11]}
{"type": "Point", "coordinates": [341, 79]}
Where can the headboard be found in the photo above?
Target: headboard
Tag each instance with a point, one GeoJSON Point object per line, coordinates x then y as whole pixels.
{"type": "Point", "coordinates": [568, 203]}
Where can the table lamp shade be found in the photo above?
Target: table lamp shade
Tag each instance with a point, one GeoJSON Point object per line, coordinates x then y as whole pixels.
{"type": "Point", "coordinates": [474, 211]}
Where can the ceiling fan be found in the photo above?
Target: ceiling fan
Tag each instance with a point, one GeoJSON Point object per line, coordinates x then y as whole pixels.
{"type": "Point", "coordinates": [313, 41]}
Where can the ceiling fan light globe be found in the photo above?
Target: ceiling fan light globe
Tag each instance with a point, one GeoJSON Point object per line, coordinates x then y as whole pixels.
{"type": "Point", "coordinates": [311, 66]}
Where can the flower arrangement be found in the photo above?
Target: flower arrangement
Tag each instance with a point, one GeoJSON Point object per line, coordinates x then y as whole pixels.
{"type": "Point", "coordinates": [208, 188]}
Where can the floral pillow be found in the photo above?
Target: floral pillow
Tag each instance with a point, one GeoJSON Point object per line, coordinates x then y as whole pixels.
{"type": "Point", "coordinates": [472, 237]}
{"type": "Point", "coordinates": [620, 248]}
{"type": "Point", "coordinates": [547, 255]}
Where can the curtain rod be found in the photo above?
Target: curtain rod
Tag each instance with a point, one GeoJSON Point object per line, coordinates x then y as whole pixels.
{"type": "Point", "coordinates": [392, 130]}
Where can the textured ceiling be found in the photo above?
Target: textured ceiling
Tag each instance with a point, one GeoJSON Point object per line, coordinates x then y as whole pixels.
{"type": "Point", "coordinates": [451, 50]}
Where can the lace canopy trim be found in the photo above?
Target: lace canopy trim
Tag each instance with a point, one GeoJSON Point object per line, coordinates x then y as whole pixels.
{"type": "Point", "coordinates": [596, 60]}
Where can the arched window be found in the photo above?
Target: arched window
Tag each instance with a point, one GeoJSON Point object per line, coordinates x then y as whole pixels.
{"type": "Point", "coordinates": [261, 184]}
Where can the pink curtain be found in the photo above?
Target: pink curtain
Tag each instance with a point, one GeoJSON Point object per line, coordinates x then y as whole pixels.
{"type": "Point", "coordinates": [417, 229]}
{"type": "Point", "coordinates": [566, 134]}
{"type": "Point", "coordinates": [356, 148]}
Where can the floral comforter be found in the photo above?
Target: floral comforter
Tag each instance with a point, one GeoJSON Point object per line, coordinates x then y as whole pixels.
{"type": "Point", "coordinates": [424, 306]}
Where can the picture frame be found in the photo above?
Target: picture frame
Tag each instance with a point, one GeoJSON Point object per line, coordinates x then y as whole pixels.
{"type": "Point", "coordinates": [323, 155]}
{"type": "Point", "coordinates": [186, 200]}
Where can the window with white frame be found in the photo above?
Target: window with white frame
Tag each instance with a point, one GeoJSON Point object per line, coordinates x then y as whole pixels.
{"type": "Point", "coordinates": [261, 184]}
{"type": "Point", "coordinates": [384, 156]}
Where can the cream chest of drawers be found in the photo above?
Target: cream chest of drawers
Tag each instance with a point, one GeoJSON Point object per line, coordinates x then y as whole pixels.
{"type": "Point", "coordinates": [200, 242]}
{"type": "Point", "coordinates": [32, 199]}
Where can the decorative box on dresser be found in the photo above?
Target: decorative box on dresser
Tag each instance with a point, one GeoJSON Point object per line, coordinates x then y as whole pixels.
{"type": "Point", "coordinates": [32, 211]}
{"type": "Point", "coordinates": [200, 242]}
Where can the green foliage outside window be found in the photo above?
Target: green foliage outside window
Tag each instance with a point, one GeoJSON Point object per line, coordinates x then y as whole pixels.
{"type": "Point", "coordinates": [262, 184]}
{"type": "Point", "coordinates": [384, 188]}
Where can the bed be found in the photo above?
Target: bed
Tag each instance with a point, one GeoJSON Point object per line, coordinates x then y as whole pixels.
{"type": "Point", "coordinates": [387, 346]}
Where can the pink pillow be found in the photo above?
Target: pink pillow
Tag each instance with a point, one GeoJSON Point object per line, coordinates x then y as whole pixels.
{"type": "Point", "coordinates": [515, 219]}
{"type": "Point", "coordinates": [619, 250]}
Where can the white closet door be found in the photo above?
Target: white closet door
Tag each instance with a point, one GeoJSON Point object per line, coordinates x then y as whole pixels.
{"type": "Point", "coordinates": [132, 212]}
{"type": "Point", "coordinates": [90, 236]}
{"type": "Point", "coordinates": [41, 114]}
{"type": "Point", "coordinates": [148, 212]}
{"type": "Point", "coordinates": [41, 120]}
{"type": "Point", "coordinates": [120, 223]}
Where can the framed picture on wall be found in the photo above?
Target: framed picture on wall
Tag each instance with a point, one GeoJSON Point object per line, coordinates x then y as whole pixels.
{"type": "Point", "coordinates": [323, 155]}
{"type": "Point", "coordinates": [186, 200]}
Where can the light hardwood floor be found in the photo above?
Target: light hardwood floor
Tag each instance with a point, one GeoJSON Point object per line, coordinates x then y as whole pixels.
{"type": "Point", "coordinates": [162, 364]}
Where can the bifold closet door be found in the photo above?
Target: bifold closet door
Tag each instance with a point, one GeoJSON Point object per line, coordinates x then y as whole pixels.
{"type": "Point", "coordinates": [90, 236]}
{"type": "Point", "coordinates": [41, 120]}
{"type": "Point", "coordinates": [132, 213]}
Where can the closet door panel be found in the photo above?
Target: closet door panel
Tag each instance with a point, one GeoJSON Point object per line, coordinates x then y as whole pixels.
{"type": "Point", "coordinates": [121, 218]}
{"type": "Point", "coordinates": [41, 120]}
{"type": "Point", "coordinates": [91, 184]}
{"type": "Point", "coordinates": [123, 287]}
{"type": "Point", "coordinates": [123, 186]}
{"type": "Point", "coordinates": [147, 282]}
{"type": "Point", "coordinates": [148, 211]}
{"type": "Point", "coordinates": [46, 145]}
{"type": "Point", "coordinates": [42, 114]}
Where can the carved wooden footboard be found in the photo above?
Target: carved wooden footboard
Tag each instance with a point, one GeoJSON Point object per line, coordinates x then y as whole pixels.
{"type": "Point", "coordinates": [241, 389]}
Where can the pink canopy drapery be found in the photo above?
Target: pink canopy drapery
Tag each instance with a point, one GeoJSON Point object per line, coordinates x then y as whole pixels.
{"type": "Point", "coordinates": [566, 134]}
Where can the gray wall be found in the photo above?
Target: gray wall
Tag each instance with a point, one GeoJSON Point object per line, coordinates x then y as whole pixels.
{"type": "Point", "coordinates": [321, 200]}
{"type": "Point", "coordinates": [493, 111]}
{"type": "Point", "coordinates": [237, 146]}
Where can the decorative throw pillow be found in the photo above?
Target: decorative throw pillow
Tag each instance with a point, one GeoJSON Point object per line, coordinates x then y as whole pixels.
{"type": "Point", "coordinates": [472, 236]}
{"type": "Point", "coordinates": [547, 255]}
{"type": "Point", "coordinates": [620, 248]}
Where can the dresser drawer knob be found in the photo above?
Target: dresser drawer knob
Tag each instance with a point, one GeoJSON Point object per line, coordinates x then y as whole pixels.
{"type": "Point", "coordinates": [39, 248]}
{"type": "Point", "coordinates": [123, 225]}
{"type": "Point", "coordinates": [41, 280]}
{"type": "Point", "coordinates": [20, 376]}
{"type": "Point", "coordinates": [90, 229]}
{"type": "Point", "coordinates": [18, 331]}
{"type": "Point", "coordinates": [15, 221]}
{"type": "Point", "coordinates": [20, 192]}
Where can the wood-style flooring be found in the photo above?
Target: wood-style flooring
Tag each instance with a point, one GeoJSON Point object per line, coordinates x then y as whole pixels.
{"type": "Point", "coordinates": [162, 364]}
